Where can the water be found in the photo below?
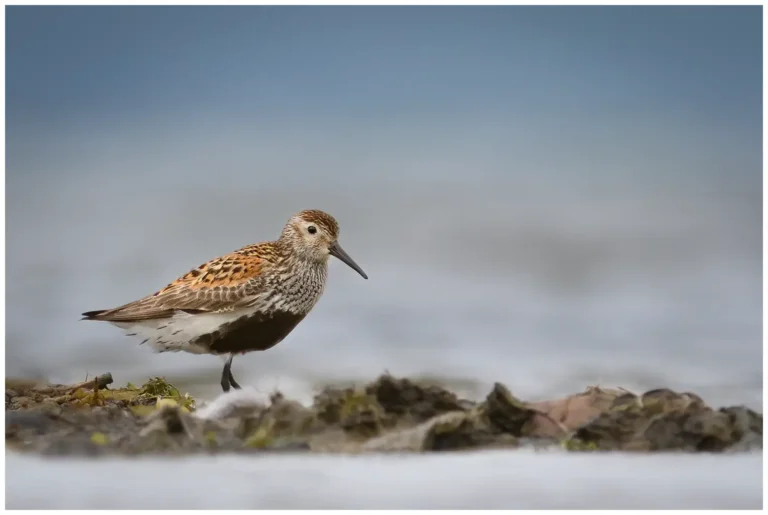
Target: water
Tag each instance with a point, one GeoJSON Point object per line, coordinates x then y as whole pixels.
{"type": "Point", "coordinates": [546, 280]}
{"type": "Point", "coordinates": [546, 288]}
{"type": "Point", "coordinates": [484, 480]}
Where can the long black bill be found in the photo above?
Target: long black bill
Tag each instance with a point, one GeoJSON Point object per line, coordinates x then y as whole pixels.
{"type": "Point", "coordinates": [338, 252]}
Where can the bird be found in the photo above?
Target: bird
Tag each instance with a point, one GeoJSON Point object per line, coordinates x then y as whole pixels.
{"type": "Point", "coordinates": [244, 301]}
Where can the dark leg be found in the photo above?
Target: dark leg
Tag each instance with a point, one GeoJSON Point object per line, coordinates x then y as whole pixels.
{"type": "Point", "coordinates": [232, 381]}
{"type": "Point", "coordinates": [227, 379]}
{"type": "Point", "coordinates": [225, 375]}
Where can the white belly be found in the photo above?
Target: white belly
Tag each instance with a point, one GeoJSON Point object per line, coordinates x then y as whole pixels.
{"type": "Point", "coordinates": [174, 334]}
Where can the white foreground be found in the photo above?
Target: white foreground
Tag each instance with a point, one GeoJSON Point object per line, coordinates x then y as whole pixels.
{"type": "Point", "coordinates": [494, 479]}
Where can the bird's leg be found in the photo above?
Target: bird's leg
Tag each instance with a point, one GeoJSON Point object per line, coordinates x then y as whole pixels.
{"type": "Point", "coordinates": [225, 374]}
{"type": "Point", "coordinates": [227, 379]}
{"type": "Point", "coordinates": [232, 381]}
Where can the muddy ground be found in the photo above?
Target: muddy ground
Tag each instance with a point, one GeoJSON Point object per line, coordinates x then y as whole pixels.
{"type": "Point", "coordinates": [387, 415]}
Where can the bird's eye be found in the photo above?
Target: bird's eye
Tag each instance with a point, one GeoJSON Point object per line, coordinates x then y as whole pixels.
{"type": "Point", "coordinates": [311, 229]}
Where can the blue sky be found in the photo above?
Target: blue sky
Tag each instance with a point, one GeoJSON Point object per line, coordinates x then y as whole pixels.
{"type": "Point", "coordinates": [683, 82]}
{"type": "Point", "coordinates": [702, 62]}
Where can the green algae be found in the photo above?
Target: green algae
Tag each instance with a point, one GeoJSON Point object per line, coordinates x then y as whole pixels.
{"type": "Point", "coordinates": [576, 445]}
{"type": "Point", "coordinates": [159, 388]}
{"type": "Point", "coordinates": [360, 413]}
{"type": "Point", "coordinates": [210, 438]}
{"type": "Point", "coordinates": [99, 438]}
{"type": "Point", "coordinates": [260, 439]}
{"type": "Point", "coordinates": [150, 394]}
{"type": "Point", "coordinates": [140, 400]}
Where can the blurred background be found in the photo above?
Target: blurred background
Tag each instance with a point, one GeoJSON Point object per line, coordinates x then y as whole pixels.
{"type": "Point", "coordinates": [550, 197]}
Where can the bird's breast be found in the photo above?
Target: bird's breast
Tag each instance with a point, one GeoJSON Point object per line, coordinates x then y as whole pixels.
{"type": "Point", "coordinates": [295, 290]}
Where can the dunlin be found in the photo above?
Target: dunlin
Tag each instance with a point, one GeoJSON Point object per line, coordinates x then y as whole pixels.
{"type": "Point", "coordinates": [248, 300]}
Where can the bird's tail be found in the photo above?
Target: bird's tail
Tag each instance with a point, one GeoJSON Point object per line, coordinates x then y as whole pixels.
{"type": "Point", "coordinates": [93, 315]}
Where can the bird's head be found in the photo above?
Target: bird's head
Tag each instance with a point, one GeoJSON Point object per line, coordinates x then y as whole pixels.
{"type": "Point", "coordinates": [314, 235]}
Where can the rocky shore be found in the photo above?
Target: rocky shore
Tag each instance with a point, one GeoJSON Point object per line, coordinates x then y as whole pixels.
{"type": "Point", "coordinates": [387, 415]}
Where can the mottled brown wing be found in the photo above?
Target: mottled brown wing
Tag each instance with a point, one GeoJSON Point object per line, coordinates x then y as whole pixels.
{"type": "Point", "coordinates": [222, 284]}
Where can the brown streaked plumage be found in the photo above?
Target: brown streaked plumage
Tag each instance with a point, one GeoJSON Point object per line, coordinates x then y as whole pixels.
{"type": "Point", "coordinates": [248, 300]}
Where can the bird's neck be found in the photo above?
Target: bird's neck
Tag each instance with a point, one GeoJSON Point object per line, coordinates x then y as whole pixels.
{"type": "Point", "coordinates": [299, 261]}
{"type": "Point", "coordinates": [299, 254]}
{"type": "Point", "coordinates": [308, 266]}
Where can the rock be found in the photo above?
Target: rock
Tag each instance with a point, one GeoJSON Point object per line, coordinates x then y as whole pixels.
{"type": "Point", "coordinates": [166, 419]}
{"type": "Point", "coordinates": [387, 415]}
{"type": "Point", "coordinates": [744, 420]}
{"type": "Point", "coordinates": [463, 430]}
{"type": "Point", "coordinates": [455, 430]}
{"type": "Point", "coordinates": [20, 402]}
{"type": "Point", "coordinates": [556, 418]}
{"type": "Point", "coordinates": [289, 445]}
{"type": "Point", "coordinates": [662, 420]}
{"type": "Point", "coordinates": [21, 385]}
{"type": "Point", "coordinates": [80, 445]}
{"type": "Point", "coordinates": [290, 417]}
{"type": "Point", "coordinates": [507, 414]}
{"type": "Point", "coordinates": [416, 439]}
{"type": "Point", "coordinates": [353, 409]}
{"type": "Point", "coordinates": [748, 427]}
{"type": "Point", "coordinates": [35, 421]}
{"type": "Point", "coordinates": [284, 425]}
{"type": "Point", "coordinates": [404, 398]}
